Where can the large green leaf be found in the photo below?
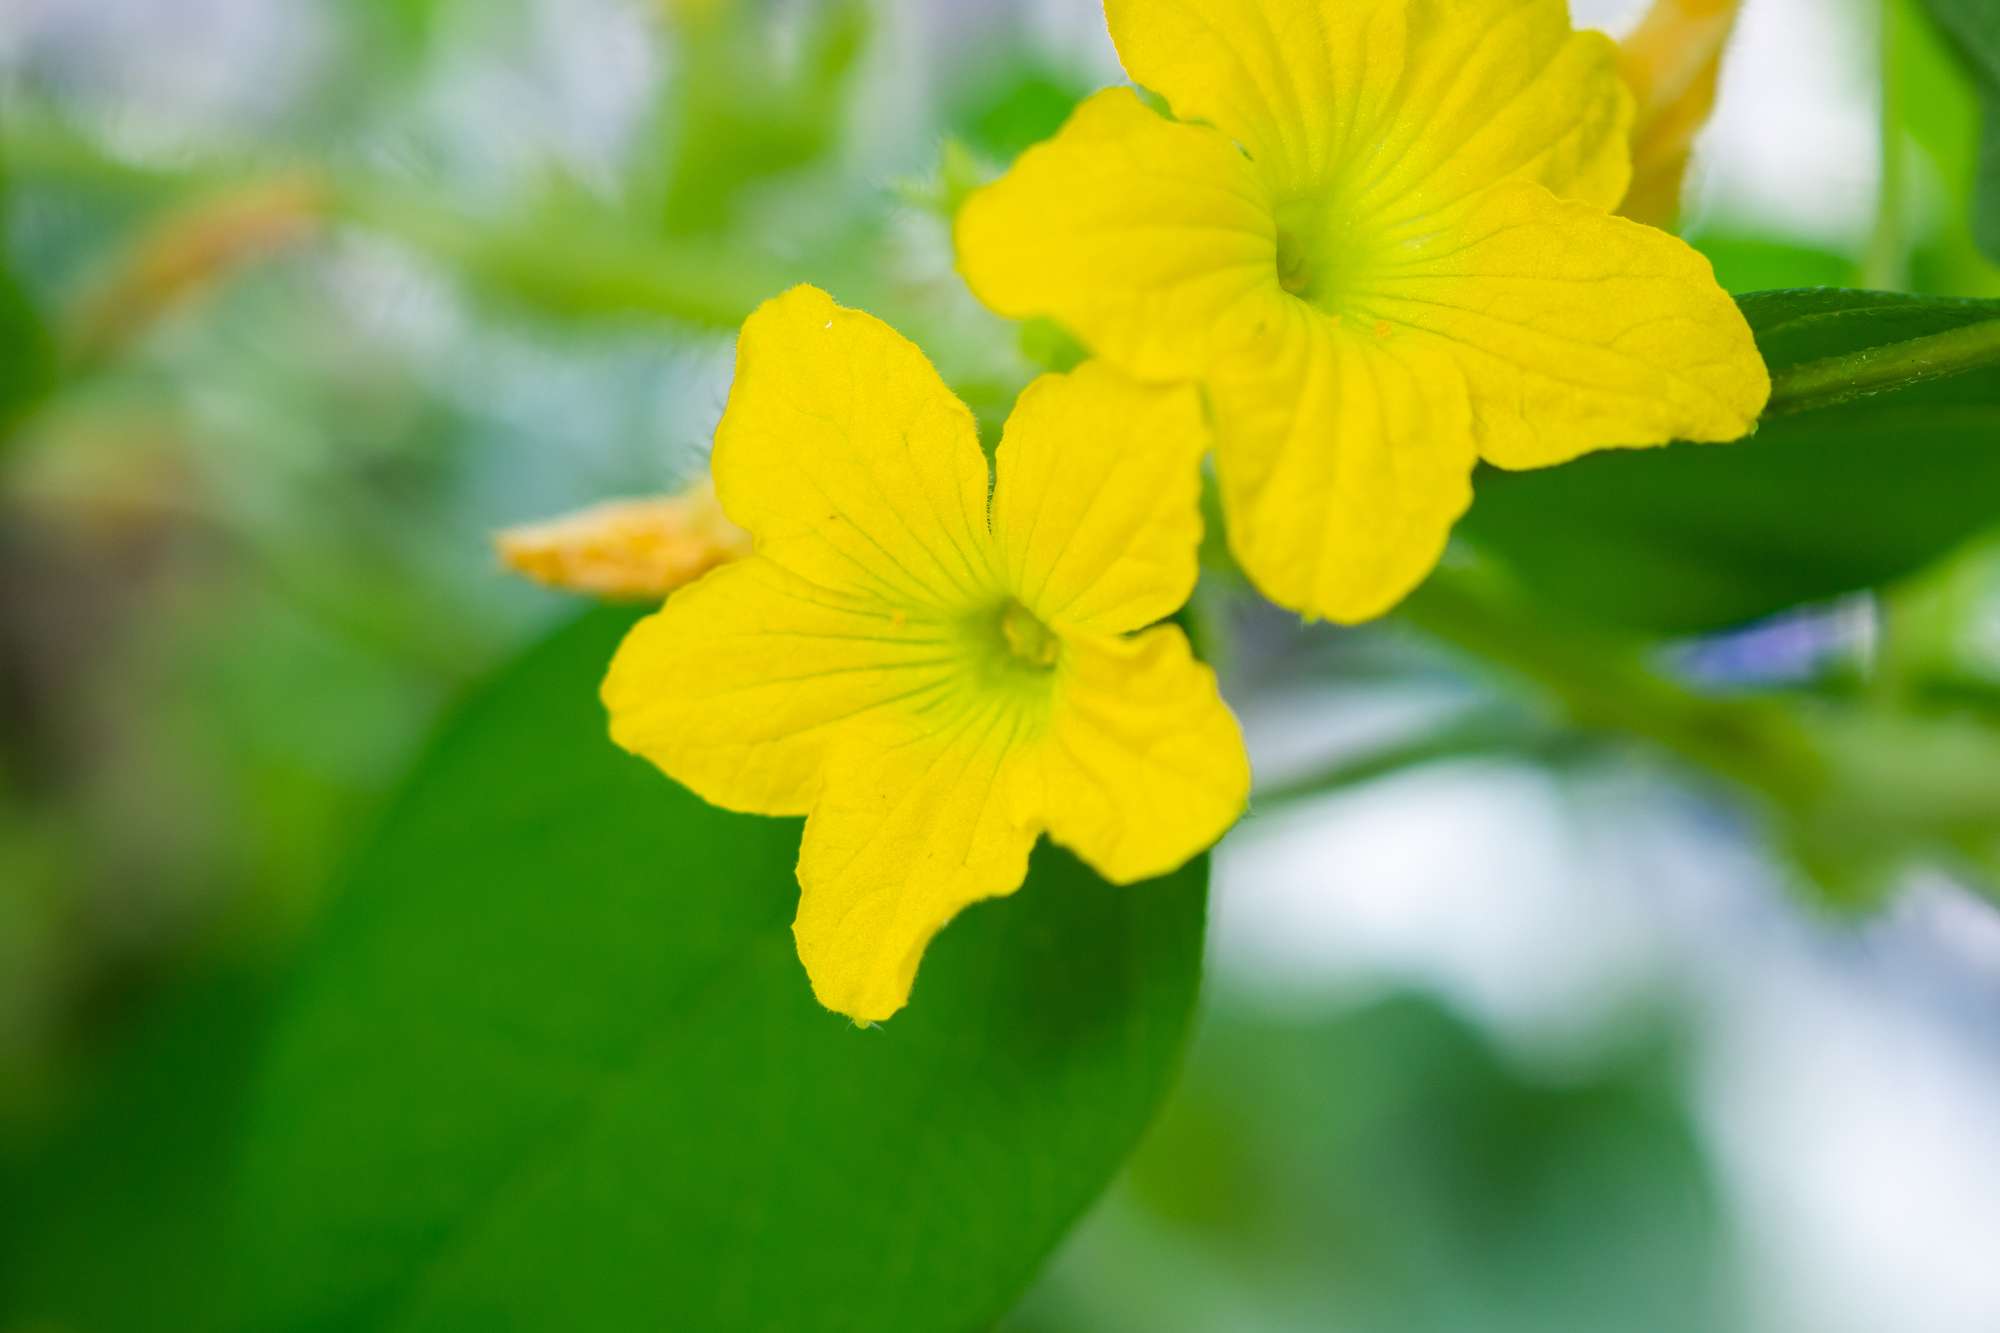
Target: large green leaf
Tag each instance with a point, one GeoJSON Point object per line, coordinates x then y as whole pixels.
{"type": "Point", "coordinates": [1816, 503]}
{"type": "Point", "coordinates": [111, 1221]}
{"type": "Point", "coordinates": [1975, 24]}
{"type": "Point", "coordinates": [1986, 203]}
{"type": "Point", "coordinates": [554, 1065]}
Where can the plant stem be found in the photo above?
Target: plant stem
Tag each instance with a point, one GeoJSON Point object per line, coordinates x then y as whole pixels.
{"type": "Point", "coordinates": [1840, 379]}
{"type": "Point", "coordinates": [1885, 266]}
{"type": "Point", "coordinates": [1604, 683]}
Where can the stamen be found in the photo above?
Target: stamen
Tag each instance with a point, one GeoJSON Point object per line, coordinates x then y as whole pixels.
{"type": "Point", "coordinates": [1029, 641]}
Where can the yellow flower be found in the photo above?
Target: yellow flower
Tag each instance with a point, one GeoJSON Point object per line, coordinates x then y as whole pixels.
{"type": "Point", "coordinates": [627, 550]}
{"type": "Point", "coordinates": [931, 679]}
{"type": "Point", "coordinates": [1672, 62]}
{"type": "Point", "coordinates": [1379, 234]}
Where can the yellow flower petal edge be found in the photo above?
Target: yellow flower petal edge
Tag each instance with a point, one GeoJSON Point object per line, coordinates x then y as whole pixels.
{"type": "Point", "coordinates": [1379, 237]}
{"type": "Point", "coordinates": [1166, 238]}
{"type": "Point", "coordinates": [1672, 62]}
{"type": "Point", "coordinates": [1391, 103]}
{"type": "Point", "coordinates": [1348, 455]}
{"type": "Point", "coordinates": [935, 679]}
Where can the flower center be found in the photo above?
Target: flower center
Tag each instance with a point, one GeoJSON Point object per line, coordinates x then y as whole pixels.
{"type": "Point", "coordinates": [1317, 252]}
{"type": "Point", "coordinates": [1029, 642]}
{"type": "Point", "coordinates": [1293, 274]}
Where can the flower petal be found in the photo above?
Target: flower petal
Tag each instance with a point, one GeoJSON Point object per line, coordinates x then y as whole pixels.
{"type": "Point", "coordinates": [1345, 455]}
{"type": "Point", "coordinates": [627, 550]}
{"type": "Point", "coordinates": [1144, 765]}
{"type": "Point", "coordinates": [737, 687]}
{"type": "Point", "coordinates": [1151, 241]}
{"type": "Point", "coordinates": [1417, 101]}
{"type": "Point", "coordinates": [1097, 512]}
{"type": "Point", "coordinates": [849, 461]}
{"type": "Point", "coordinates": [1576, 330]}
{"type": "Point", "coordinates": [1672, 62]}
{"type": "Point", "coordinates": [914, 825]}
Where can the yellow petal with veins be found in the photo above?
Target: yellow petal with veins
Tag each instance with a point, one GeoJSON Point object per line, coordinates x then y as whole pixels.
{"type": "Point", "coordinates": [1347, 454]}
{"type": "Point", "coordinates": [1151, 241]}
{"type": "Point", "coordinates": [1143, 765]}
{"type": "Point", "coordinates": [740, 683]}
{"type": "Point", "coordinates": [1097, 514]}
{"type": "Point", "coordinates": [1408, 102]}
{"type": "Point", "coordinates": [849, 461]}
{"type": "Point", "coordinates": [1576, 330]}
{"type": "Point", "coordinates": [860, 477]}
{"type": "Point", "coordinates": [915, 824]}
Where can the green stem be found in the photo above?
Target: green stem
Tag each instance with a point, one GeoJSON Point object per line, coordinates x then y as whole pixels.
{"type": "Point", "coordinates": [1851, 794]}
{"type": "Point", "coordinates": [1885, 266]}
{"type": "Point", "coordinates": [1604, 683]}
{"type": "Point", "coordinates": [1840, 379]}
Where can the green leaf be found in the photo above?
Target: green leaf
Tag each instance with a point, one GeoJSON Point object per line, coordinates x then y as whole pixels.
{"type": "Point", "coordinates": [1012, 101]}
{"type": "Point", "coordinates": [1974, 25]}
{"type": "Point", "coordinates": [553, 1064]}
{"type": "Point", "coordinates": [1819, 502]}
{"type": "Point", "coordinates": [131, 1182]}
{"type": "Point", "coordinates": [1986, 201]}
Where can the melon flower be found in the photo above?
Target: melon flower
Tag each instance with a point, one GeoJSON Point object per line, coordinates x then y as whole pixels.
{"type": "Point", "coordinates": [1379, 234]}
{"type": "Point", "coordinates": [931, 676]}
{"type": "Point", "coordinates": [627, 550]}
{"type": "Point", "coordinates": [1672, 62]}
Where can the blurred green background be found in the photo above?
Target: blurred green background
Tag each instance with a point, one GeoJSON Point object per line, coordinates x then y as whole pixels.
{"type": "Point", "coordinates": [1507, 1023]}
